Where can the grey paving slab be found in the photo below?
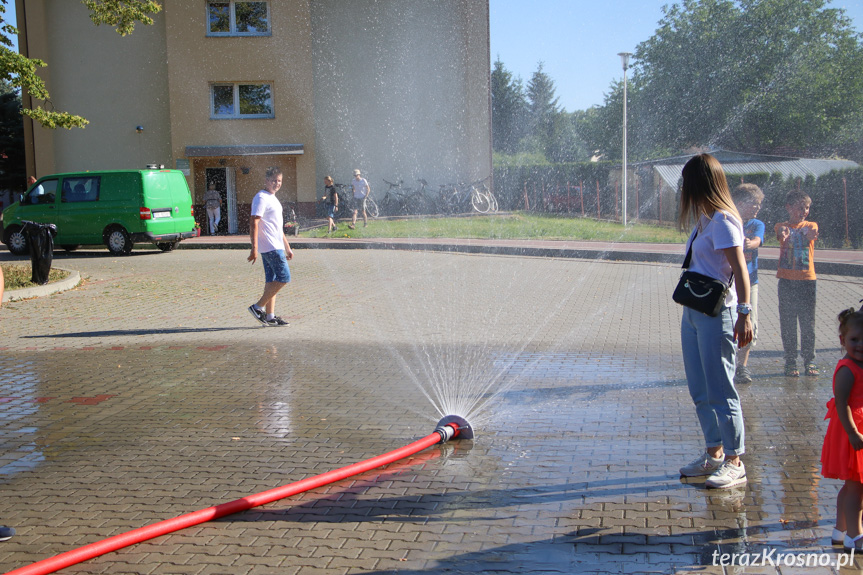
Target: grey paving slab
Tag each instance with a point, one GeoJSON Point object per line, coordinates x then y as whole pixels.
{"type": "Point", "coordinates": [148, 391]}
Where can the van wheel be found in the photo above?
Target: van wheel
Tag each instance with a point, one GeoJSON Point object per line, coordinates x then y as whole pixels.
{"type": "Point", "coordinates": [118, 241]}
{"type": "Point", "coordinates": [167, 246]}
{"type": "Point", "coordinates": [70, 247]}
{"type": "Point", "coordinates": [16, 241]}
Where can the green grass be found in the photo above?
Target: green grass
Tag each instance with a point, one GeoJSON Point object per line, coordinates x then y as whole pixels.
{"type": "Point", "coordinates": [508, 227]}
{"type": "Point", "coordinates": [18, 276]}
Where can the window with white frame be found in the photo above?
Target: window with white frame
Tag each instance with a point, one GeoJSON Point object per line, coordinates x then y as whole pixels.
{"type": "Point", "coordinates": [238, 18]}
{"type": "Point", "coordinates": [241, 100]}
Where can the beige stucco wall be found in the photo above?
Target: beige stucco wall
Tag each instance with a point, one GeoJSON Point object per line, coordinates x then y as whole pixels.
{"type": "Point", "coordinates": [402, 89]}
{"type": "Point", "coordinates": [116, 82]}
{"type": "Point", "coordinates": [397, 88]}
{"type": "Point", "coordinates": [282, 59]}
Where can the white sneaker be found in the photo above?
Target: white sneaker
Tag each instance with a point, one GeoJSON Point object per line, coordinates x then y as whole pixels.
{"type": "Point", "coordinates": [727, 476]}
{"type": "Point", "coordinates": [851, 544]}
{"type": "Point", "coordinates": [703, 465]}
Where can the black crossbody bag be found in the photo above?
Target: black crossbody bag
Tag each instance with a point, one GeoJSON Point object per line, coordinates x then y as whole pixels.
{"type": "Point", "coordinates": [698, 291]}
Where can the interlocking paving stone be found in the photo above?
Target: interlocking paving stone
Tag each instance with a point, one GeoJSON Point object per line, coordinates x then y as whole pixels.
{"type": "Point", "coordinates": [149, 392]}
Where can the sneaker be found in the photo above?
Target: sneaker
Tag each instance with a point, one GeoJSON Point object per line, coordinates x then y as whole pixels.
{"type": "Point", "coordinates": [849, 543]}
{"type": "Point", "coordinates": [837, 537]}
{"type": "Point", "coordinates": [276, 322]}
{"type": "Point", "coordinates": [743, 375]}
{"type": "Point", "coordinates": [703, 465]}
{"type": "Point", "coordinates": [258, 314]}
{"type": "Point", "coordinates": [6, 533]}
{"type": "Point", "coordinates": [729, 475]}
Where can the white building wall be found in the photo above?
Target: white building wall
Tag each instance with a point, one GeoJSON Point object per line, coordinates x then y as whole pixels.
{"type": "Point", "coordinates": [117, 83]}
{"type": "Point", "coordinates": [402, 89]}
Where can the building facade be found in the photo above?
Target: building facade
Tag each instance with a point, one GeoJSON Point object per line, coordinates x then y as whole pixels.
{"type": "Point", "coordinates": [224, 89]}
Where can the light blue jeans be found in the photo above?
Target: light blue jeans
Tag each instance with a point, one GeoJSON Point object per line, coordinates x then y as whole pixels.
{"type": "Point", "coordinates": [710, 358]}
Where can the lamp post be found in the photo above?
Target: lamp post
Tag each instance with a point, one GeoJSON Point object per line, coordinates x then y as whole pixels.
{"type": "Point", "coordinates": [624, 59]}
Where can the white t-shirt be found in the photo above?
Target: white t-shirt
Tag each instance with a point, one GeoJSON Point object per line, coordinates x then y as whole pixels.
{"type": "Point", "coordinates": [271, 234]}
{"type": "Point", "coordinates": [714, 235]}
{"type": "Point", "coordinates": [361, 187]}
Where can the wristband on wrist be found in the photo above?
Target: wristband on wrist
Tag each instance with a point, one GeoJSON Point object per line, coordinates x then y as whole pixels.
{"type": "Point", "coordinates": [744, 308]}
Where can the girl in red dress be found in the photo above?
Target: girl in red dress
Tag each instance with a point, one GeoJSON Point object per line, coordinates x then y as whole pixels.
{"type": "Point", "coordinates": [842, 453]}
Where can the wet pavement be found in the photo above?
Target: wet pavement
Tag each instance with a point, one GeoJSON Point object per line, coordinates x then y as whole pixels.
{"type": "Point", "coordinates": [149, 391]}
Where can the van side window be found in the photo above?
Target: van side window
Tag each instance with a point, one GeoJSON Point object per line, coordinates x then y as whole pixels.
{"type": "Point", "coordinates": [83, 189]}
{"type": "Point", "coordinates": [42, 193]}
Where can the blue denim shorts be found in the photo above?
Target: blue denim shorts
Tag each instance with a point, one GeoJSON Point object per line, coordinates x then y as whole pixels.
{"type": "Point", "coordinates": [331, 211]}
{"type": "Point", "coordinates": [276, 267]}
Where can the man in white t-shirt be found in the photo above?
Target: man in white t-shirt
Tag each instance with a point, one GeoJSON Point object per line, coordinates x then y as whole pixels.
{"type": "Point", "coordinates": [267, 232]}
{"type": "Point", "coordinates": [361, 191]}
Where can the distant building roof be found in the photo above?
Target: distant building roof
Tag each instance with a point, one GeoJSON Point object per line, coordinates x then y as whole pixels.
{"type": "Point", "coordinates": [739, 163]}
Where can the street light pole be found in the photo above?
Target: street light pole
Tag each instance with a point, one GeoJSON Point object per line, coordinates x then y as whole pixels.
{"type": "Point", "coordinates": [624, 59]}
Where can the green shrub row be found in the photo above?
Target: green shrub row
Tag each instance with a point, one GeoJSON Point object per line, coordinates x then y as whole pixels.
{"type": "Point", "coordinates": [592, 189]}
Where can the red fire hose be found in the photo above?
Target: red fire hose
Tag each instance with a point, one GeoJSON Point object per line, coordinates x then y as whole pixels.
{"type": "Point", "coordinates": [448, 428]}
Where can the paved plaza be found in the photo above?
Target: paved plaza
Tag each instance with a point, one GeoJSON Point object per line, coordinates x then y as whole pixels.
{"type": "Point", "coordinates": [149, 391]}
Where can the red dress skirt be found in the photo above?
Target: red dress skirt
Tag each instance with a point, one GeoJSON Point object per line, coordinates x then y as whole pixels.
{"type": "Point", "coordinates": [838, 458]}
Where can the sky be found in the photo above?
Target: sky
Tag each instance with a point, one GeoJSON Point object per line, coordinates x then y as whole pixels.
{"type": "Point", "coordinates": [578, 40]}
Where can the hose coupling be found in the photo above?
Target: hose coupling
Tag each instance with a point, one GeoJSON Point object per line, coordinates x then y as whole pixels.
{"type": "Point", "coordinates": [453, 426]}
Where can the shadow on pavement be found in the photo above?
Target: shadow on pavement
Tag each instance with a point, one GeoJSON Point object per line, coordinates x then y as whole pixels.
{"type": "Point", "coordinates": [122, 332]}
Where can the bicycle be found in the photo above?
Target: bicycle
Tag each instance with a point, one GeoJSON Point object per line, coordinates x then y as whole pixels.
{"type": "Point", "coordinates": [460, 198]}
{"type": "Point", "coordinates": [449, 199]}
{"type": "Point", "coordinates": [417, 200]}
{"type": "Point", "coordinates": [482, 199]}
{"type": "Point", "coordinates": [399, 200]}
{"type": "Point", "coordinates": [394, 201]}
{"type": "Point", "coordinates": [346, 202]}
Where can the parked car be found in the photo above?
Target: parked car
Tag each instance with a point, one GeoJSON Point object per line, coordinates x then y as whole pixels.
{"type": "Point", "coordinates": [117, 208]}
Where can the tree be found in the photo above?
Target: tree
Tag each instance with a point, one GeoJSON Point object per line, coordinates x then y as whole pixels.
{"type": "Point", "coordinates": [752, 75]}
{"type": "Point", "coordinates": [20, 71]}
{"type": "Point", "coordinates": [12, 174]}
{"type": "Point", "coordinates": [508, 110]}
{"type": "Point", "coordinates": [542, 106]}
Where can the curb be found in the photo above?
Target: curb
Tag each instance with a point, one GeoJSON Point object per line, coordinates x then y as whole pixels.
{"type": "Point", "coordinates": [617, 255]}
{"type": "Point", "coordinates": [48, 289]}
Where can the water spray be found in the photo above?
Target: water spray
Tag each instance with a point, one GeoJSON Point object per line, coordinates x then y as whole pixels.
{"type": "Point", "coordinates": [450, 427]}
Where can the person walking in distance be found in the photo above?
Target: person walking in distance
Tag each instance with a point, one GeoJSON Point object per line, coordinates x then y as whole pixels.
{"type": "Point", "coordinates": [267, 233]}
{"type": "Point", "coordinates": [361, 192]}
{"type": "Point", "coordinates": [331, 199]}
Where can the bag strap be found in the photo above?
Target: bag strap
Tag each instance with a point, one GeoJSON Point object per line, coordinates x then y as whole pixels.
{"type": "Point", "coordinates": [688, 259]}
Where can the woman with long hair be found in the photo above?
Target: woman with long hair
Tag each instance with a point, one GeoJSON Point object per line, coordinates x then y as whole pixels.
{"type": "Point", "coordinates": [710, 343]}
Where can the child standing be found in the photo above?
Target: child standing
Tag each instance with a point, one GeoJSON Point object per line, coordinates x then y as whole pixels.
{"type": "Point", "coordinates": [842, 453]}
{"type": "Point", "coordinates": [796, 273]}
{"type": "Point", "coordinates": [747, 198]}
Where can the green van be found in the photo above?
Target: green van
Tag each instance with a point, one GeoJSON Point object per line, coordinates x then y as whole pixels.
{"type": "Point", "coordinates": [116, 208]}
